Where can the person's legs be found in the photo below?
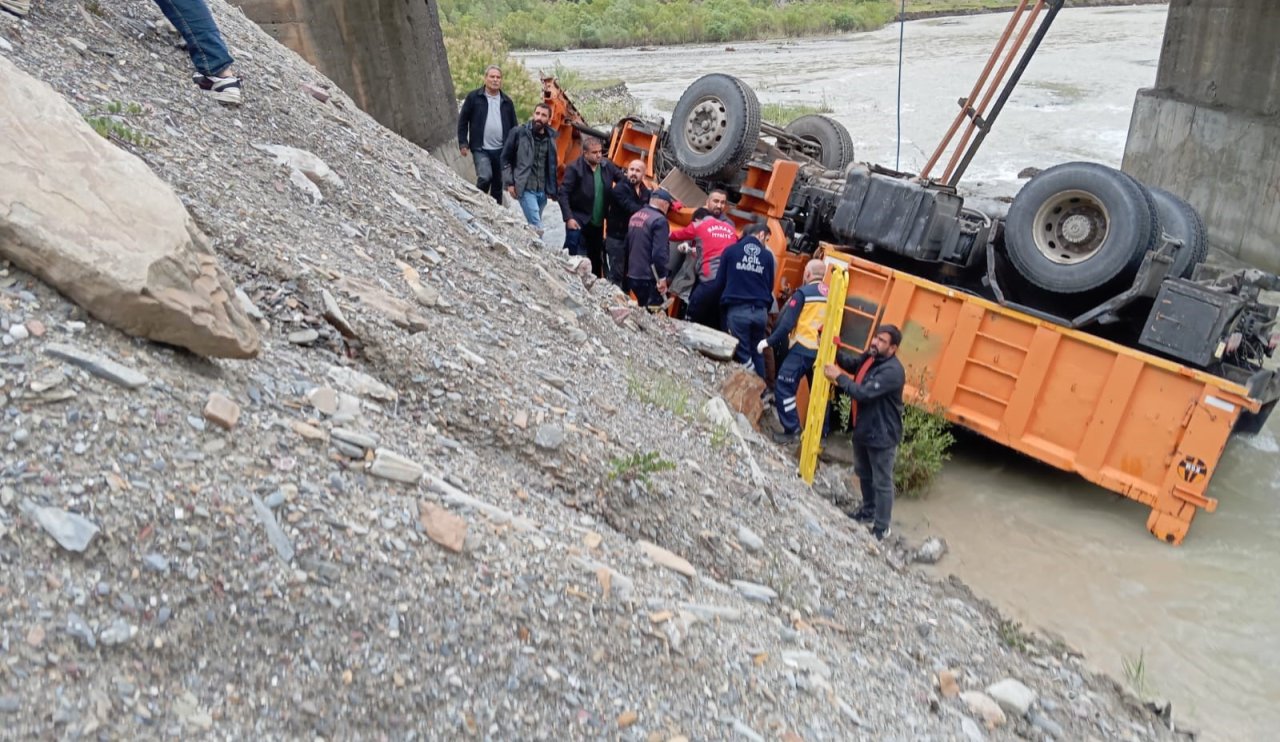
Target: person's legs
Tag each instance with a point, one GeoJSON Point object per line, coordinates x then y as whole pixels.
{"type": "Point", "coordinates": [615, 249]}
{"type": "Point", "coordinates": [737, 320]}
{"type": "Point", "coordinates": [593, 238]}
{"type": "Point", "coordinates": [881, 463]}
{"type": "Point", "coordinates": [756, 322]}
{"type": "Point", "coordinates": [573, 242]}
{"type": "Point", "coordinates": [532, 203]}
{"type": "Point", "coordinates": [863, 470]}
{"type": "Point", "coordinates": [204, 41]}
{"type": "Point", "coordinates": [646, 291]}
{"type": "Point", "coordinates": [488, 171]}
{"type": "Point", "coordinates": [793, 369]}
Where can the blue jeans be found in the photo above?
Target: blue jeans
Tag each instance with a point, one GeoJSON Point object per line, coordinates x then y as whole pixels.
{"type": "Point", "coordinates": [532, 203]}
{"type": "Point", "coordinates": [797, 365]}
{"type": "Point", "coordinates": [746, 323]}
{"type": "Point", "coordinates": [488, 164]}
{"type": "Point", "coordinates": [204, 42]}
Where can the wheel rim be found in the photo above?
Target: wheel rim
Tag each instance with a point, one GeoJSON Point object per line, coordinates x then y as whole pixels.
{"type": "Point", "coordinates": [1071, 227]}
{"type": "Point", "coordinates": [706, 125]}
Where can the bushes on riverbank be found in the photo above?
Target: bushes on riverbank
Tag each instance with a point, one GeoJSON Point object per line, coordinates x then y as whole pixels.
{"type": "Point", "coordinates": [537, 24]}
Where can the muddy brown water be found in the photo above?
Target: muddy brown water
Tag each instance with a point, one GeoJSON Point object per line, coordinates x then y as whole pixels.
{"type": "Point", "coordinates": [1052, 551]}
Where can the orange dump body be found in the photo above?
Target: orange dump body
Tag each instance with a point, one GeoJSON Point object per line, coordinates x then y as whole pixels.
{"type": "Point", "coordinates": [1144, 427]}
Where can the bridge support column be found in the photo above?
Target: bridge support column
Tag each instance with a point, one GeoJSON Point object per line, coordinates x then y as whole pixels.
{"type": "Point", "coordinates": [1210, 128]}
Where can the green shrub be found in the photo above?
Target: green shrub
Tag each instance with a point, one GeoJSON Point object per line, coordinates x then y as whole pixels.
{"type": "Point", "coordinates": [926, 441]}
{"type": "Point", "coordinates": [638, 466]}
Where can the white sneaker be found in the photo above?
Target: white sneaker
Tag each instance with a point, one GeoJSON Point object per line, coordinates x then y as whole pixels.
{"type": "Point", "coordinates": [226, 90]}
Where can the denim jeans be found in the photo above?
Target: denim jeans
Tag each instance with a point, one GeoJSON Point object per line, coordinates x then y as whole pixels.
{"type": "Point", "coordinates": [204, 42]}
{"type": "Point", "coordinates": [489, 171]}
{"type": "Point", "coordinates": [797, 365]}
{"type": "Point", "coordinates": [532, 203]}
{"type": "Point", "coordinates": [746, 323]}
{"type": "Point", "coordinates": [874, 467]}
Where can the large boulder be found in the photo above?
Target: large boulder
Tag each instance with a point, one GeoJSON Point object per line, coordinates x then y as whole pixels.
{"type": "Point", "coordinates": [94, 222]}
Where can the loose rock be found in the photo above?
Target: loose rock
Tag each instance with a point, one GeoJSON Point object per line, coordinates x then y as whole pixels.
{"type": "Point", "coordinates": [443, 527]}
{"type": "Point", "coordinates": [97, 365]}
{"type": "Point", "coordinates": [73, 532]}
{"type": "Point", "coordinates": [1012, 695]}
{"type": "Point", "coordinates": [221, 411]}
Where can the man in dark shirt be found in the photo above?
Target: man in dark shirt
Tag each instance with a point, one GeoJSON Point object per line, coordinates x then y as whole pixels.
{"type": "Point", "coordinates": [583, 198]}
{"type": "Point", "coordinates": [648, 250]}
{"type": "Point", "coordinates": [529, 165]}
{"type": "Point", "coordinates": [487, 116]}
{"type": "Point", "coordinates": [744, 285]}
{"type": "Point", "coordinates": [627, 196]}
{"type": "Point", "coordinates": [876, 417]}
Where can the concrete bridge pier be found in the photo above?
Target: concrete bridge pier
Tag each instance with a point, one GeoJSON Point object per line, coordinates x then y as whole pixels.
{"type": "Point", "coordinates": [1209, 130]}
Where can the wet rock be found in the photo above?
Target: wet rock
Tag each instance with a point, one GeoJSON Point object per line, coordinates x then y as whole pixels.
{"type": "Point", "coordinates": [118, 632]}
{"type": "Point", "coordinates": [275, 535]}
{"type": "Point", "coordinates": [443, 527]}
{"type": "Point", "coordinates": [73, 532]}
{"type": "Point", "coordinates": [664, 558]}
{"type": "Point", "coordinates": [984, 707]}
{"type": "Point", "coordinates": [79, 630]}
{"type": "Point", "coordinates": [548, 437]}
{"type": "Point", "coordinates": [741, 391]}
{"type": "Point", "coordinates": [303, 337]}
{"type": "Point", "coordinates": [360, 384]}
{"type": "Point", "coordinates": [391, 465]}
{"type": "Point", "coordinates": [156, 563]}
{"type": "Point", "coordinates": [97, 365]}
{"type": "Point", "coordinates": [221, 411]}
{"type": "Point", "coordinates": [755, 592]}
{"type": "Point", "coordinates": [709, 342]}
{"type": "Point", "coordinates": [931, 551]}
{"type": "Point", "coordinates": [95, 222]}
{"type": "Point", "coordinates": [749, 540]}
{"type": "Point", "coordinates": [1012, 695]}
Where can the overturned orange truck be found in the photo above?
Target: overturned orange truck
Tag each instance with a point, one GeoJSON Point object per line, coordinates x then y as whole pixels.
{"type": "Point", "coordinates": [1079, 324]}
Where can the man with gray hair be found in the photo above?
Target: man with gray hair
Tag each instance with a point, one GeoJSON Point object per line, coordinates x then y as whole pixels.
{"type": "Point", "coordinates": [583, 198]}
{"type": "Point", "coordinates": [487, 116]}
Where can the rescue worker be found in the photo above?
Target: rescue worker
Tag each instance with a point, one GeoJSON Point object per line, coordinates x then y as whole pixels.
{"type": "Point", "coordinates": [486, 117]}
{"type": "Point", "coordinates": [717, 202]}
{"type": "Point", "coordinates": [583, 196]}
{"type": "Point", "coordinates": [529, 163]}
{"type": "Point", "coordinates": [714, 234]}
{"type": "Point", "coordinates": [648, 250]}
{"type": "Point", "coordinates": [744, 285]}
{"type": "Point", "coordinates": [876, 418]}
{"type": "Point", "coordinates": [799, 324]}
{"type": "Point", "coordinates": [627, 196]}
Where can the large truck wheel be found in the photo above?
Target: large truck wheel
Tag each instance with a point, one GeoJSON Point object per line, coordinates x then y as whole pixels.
{"type": "Point", "coordinates": [832, 139]}
{"type": "Point", "coordinates": [1079, 225]}
{"type": "Point", "coordinates": [715, 126]}
{"type": "Point", "coordinates": [1180, 221]}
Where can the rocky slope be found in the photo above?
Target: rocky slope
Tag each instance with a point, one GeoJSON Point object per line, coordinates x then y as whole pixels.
{"type": "Point", "coordinates": [538, 576]}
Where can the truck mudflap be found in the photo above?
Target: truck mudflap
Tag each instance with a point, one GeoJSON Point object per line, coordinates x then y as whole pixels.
{"type": "Point", "coordinates": [1144, 427]}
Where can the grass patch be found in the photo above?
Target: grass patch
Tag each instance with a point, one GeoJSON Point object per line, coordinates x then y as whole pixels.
{"type": "Point", "coordinates": [638, 467]}
{"type": "Point", "coordinates": [1135, 674]}
{"type": "Point", "coordinates": [661, 390]}
{"type": "Point", "coordinates": [721, 437]}
{"type": "Point", "coordinates": [782, 114]}
{"type": "Point", "coordinates": [113, 124]}
{"type": "Point", "coordinates": [1012, 635]}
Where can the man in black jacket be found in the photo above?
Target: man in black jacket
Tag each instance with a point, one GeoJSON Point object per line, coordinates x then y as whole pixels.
{"type": "Point", "coordinates": [876, 418]}
{"type": "Point", "coordinates": [628, 196]}
{"type": "Point", "coordinates": [648, 250]}
{"type": "Point", "coordinates": [583, 197]}
{"type": "Point", "coordinates": [529, 163]}
{"type": "Point", "coordinates": [486, 117]}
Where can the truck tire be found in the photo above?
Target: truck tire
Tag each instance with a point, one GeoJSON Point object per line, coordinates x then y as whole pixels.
{"type": "Point", "coordinates": [715, 126]}
{"type": "Point", "coordinates": [829, 135]}
{"type": "Point", "coordinates": [1180, 221]}
{"type": "Point", "coordinates": [1079, 225]}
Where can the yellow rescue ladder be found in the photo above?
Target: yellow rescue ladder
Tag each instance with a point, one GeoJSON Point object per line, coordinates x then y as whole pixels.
{"type": "Point", "coordinates": [820, 388]}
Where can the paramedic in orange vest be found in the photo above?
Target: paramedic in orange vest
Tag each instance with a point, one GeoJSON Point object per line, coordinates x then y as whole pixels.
{"type": "Point", "coordinates": [876, 418]}
{"type": "Point", "coordinates": [798, 324]}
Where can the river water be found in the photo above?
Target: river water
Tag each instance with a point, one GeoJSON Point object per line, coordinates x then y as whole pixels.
{"type": "Point", "coordinates": [1050, 550]}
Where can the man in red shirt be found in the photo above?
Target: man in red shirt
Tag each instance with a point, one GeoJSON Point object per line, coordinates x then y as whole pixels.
{"type": "Point", "coordinates": [714, 233]}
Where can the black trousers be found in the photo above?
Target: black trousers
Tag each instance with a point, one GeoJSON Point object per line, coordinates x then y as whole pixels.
{"type": "Point", "coordinates": [587, 241]}
{"type": "Point", "coordinates": [874, 467]}
{"type": "Point", "coordinates": [488, 171]}
{"type": "Point", "coordinates": [615, 249]}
